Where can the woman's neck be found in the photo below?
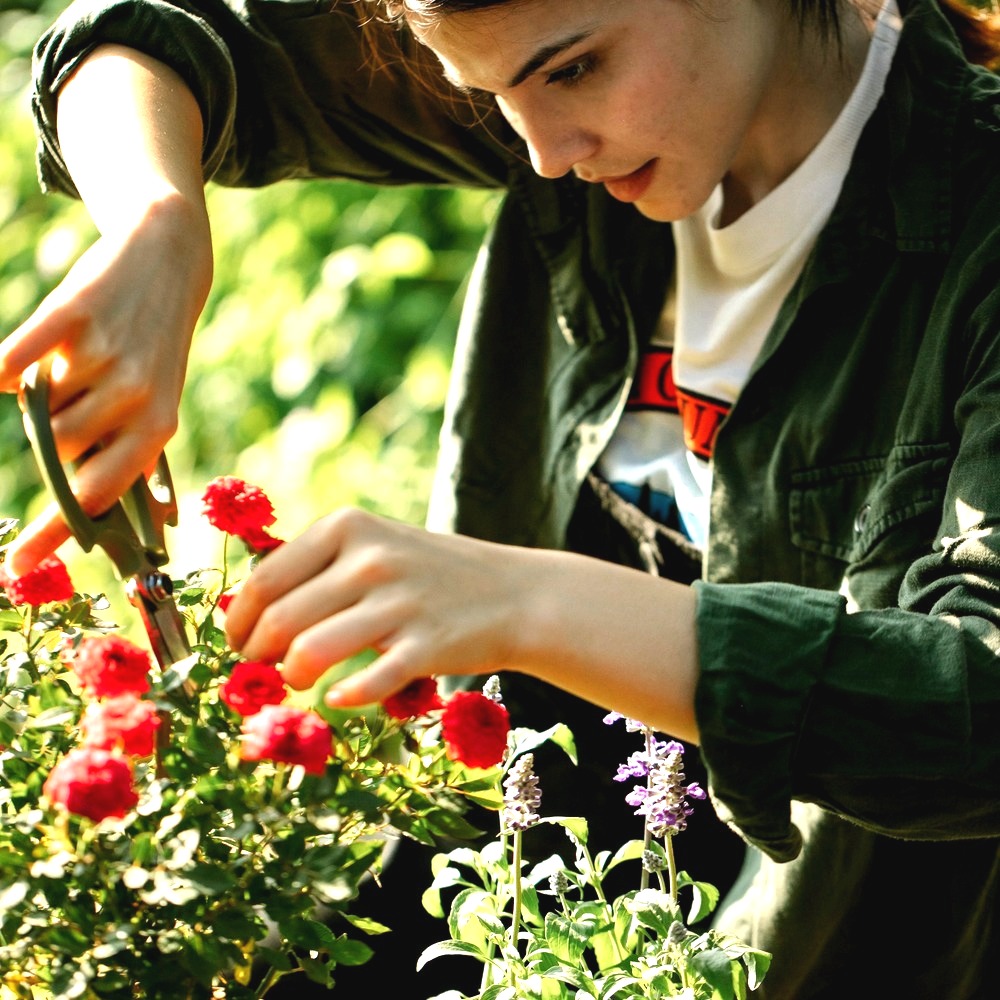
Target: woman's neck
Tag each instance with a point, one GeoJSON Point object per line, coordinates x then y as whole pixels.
{"type": "Point", "coordinates": [813, 80]}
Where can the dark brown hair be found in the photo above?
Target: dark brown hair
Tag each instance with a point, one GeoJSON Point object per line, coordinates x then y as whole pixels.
{"type": "Point", "coordinates": [977, 26]}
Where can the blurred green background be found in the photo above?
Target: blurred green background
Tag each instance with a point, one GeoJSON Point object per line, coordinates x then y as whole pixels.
{"type": "Point", "coordinates": [320, 364]}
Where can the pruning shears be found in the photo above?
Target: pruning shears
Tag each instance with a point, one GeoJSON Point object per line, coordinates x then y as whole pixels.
{"type": "Point", "coordinates": [131, 532]}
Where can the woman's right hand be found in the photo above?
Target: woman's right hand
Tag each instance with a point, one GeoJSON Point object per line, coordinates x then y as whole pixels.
{"type": "Point", "coordinates": [118, 328]}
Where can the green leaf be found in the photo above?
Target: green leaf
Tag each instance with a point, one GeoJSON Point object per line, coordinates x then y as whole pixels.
{"type": "Point", "coordinates": [705, 897]}
{"type": "Point", "coordinates": [205, 746]}
{"type": "Point", "coordinates": [210, 879]}
{"type": "Point", "coordinates": [575, 977]}
{"type": "Point", "coordinates": [716, 968]}
{"type": "Point", "coordinates": [567, 938]}
{"type": "Point", "coordinates": [757, 963]}
{"type": "Point", "coordinates": [450, 948]}
{"type": "Point", "coordinates": [273, 958]}
{"type": "Point", "coordinates": [630, 851]}
{"type": "Point", "coordinates": [576, 826]}
{"type": "Point", "coordinates": [467, 906]}
{"type": "Point", "coordinates": [348, 951]}
{"type": "Point", "coordinates": [653, 909]}
{"type": "Point", "coordinates": [525, 740]}
{"type": "Point", "coordinates": [53, 718]}
{"type": "Point", "coordinates": [317, 970]}
{"type": "Point", "coordinates": [312, 935]}
{"type": "Point", "coordinates": [499, 991]}
{"type": "Point", "coordinates": [237, 925]}
{"type": "Point", "coordinates": [366, 924]}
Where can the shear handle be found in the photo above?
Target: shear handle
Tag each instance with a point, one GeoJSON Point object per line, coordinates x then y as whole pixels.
{"type": "Point", "coordinates": [131, 531]}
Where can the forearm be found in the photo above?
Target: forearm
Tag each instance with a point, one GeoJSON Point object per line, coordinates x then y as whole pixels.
{"type": "Point", "coordinates": [122, 319]}
{"type": "Point", "coordinates": [617, 637]}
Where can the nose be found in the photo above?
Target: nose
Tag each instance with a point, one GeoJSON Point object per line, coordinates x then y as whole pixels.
{"type": "Point", "coordinates": [555, 143]}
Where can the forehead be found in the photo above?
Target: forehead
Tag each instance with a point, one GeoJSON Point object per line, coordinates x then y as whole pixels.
{"type": "Point", "coordinates": [497, 46]}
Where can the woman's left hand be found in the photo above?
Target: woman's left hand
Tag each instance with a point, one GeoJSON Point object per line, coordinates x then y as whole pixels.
{"type": "Point", "coordinates": [428, 603]}
{"type": "Point", "coordinates": [433, 604]}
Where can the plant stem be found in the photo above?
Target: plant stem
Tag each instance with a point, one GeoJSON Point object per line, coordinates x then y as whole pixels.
{"type": "Point", "coordinates": [668, 845]}
{"type": "Point", "coordinates": [647, 837]}
{"type": "Point", "coordinates": [515, 926]}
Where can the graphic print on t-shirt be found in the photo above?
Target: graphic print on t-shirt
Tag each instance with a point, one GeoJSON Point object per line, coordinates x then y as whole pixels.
{"type": "Point", "coordinates": [654, 388]}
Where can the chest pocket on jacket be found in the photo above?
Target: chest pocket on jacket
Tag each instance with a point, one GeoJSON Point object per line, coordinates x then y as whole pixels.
{"type": "Point", "coordinates": [874, 515]}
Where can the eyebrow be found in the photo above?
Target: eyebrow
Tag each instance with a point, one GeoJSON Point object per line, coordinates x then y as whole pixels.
{"type": "Point", "coordinates": [544, 55]}
{"type": "Point", "coordinates": [532, 65]}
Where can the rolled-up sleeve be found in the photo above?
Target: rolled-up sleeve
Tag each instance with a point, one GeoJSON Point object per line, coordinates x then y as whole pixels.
{"type": "Point", "coordinates": [888, 718]}
{"type": "Point", "coordinates": [176, 36]}
{"type": "Point", "coordinates": [287, 89]}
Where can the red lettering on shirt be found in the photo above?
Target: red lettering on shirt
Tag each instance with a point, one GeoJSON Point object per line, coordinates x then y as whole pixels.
{"type": "Point", "coordinates": [654, 389]}
{"type": "Point", "coordinates": [701, 417]}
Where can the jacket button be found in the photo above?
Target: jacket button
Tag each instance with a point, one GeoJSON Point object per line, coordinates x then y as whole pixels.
{"type": "Point", "coordinates": [861, 518]}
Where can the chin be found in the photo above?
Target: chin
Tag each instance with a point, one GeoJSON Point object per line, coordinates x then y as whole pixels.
{"type": "Point", "coordinates": [670, 209]}
{"type": "Point", "coordinates": [657, 211]}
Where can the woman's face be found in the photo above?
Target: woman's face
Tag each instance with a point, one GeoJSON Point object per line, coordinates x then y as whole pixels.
{"type": "Point", "coordinates": [656, 99]}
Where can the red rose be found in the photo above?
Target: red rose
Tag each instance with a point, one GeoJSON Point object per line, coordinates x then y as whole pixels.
{"type": "Point", "coordinates": [109, 665]}
{"type": "Point", "coordinates": [251, 685]}
{"type": "Point", "coordinates": [418, 698]}
{"type": "Point", "coordinates": [48, 581]}
{"type": "Point", "coordinates": [474, 729]}
{"type": "Point", "coordinates": [126, 721]}
{"type": "Point", "coordinates": [92, 782]}
{"type": "Point", "coordinates": [225, 600]}
{"type": "Point", "coordinates": [259, 542]}
{"type": "Point", "coordinates": [236, 507]}
{"type": "Point", "coordinates": [287, 734]}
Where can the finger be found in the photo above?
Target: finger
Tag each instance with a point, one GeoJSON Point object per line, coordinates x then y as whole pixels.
{"type": "Point", "coordinates": [49, 326]}
{"type": "Point", "coordinates": [118, 415]}
{"type": "Point", "coordinates": [98, 483]}
{"type": "Point", "coordinates": [388, 675]}
{"type": "Point", "coordinates": [282, 572]}
{"type": "Point", "coordinates": [36, 541]}
{"type": "Point", "coordinates": [332, 640]}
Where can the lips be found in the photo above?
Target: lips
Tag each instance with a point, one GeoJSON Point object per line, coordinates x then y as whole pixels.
{"type": "Point", "coordinates": [631, 187]}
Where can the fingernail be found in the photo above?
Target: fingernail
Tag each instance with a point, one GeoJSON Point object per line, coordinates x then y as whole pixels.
{"type": "Point", "coordinates": [334, 697]}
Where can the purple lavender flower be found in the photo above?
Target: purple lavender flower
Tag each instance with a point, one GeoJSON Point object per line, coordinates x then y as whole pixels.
{"type": "Point", "coordinates": [637, 766]}
{"type": "Point", "coordinates": [663, 800]}
{"type": "Point", "coordinates": [522, 797]}
{"type": "Point", "coordinates": [665, 805]}
{"type": "Point", "coordinates": [631, 725]}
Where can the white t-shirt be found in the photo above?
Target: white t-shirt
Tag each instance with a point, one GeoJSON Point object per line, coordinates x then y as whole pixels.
{"type": "Point", "coordinates": [730, 283]}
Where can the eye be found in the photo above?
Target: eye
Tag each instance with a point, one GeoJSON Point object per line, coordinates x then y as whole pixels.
{"type": "Point", "coordinates": [572, 74]}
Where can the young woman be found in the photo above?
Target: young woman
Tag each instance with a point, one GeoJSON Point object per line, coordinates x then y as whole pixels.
{"type": "Point", "coordinates": [735, 334]}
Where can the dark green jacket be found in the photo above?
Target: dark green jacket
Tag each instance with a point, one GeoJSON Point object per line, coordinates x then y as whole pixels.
{"type": "Point", "coordinates": [849, 612]}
